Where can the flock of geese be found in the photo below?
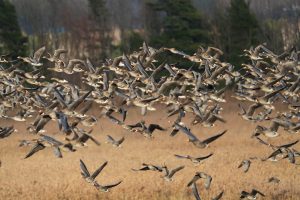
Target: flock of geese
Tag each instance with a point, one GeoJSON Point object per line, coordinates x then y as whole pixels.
{"type": "Point", "coordinates": [140, 80]}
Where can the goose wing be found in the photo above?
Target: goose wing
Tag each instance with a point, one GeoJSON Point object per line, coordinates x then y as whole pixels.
{"type": "Point", "coordinates": [84, 171]}
{"type": "Point", "coordinates": [57, 152]}
{"type": "Point", "coordinates": [37, 147]}
{"type": "Point", "coordinates": [195, 191]}
{"type": "Point", "coordinates": [97, 172]}
{"type": "Point", "coordinates": [213, 138]}
{"type": "Point", "coordinates": [110, 139]}
{"type": "Point", "coordinates": [37, 55]}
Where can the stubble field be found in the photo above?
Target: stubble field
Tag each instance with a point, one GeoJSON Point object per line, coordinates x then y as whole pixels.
{"type": "Point", "coordinates": [43, 176]}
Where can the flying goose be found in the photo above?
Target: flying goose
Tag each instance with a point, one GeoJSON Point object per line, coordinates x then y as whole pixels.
{"type": "Point", "coordinates": [72, 66]}
{"type": "Point", "coordinates": [198, 143]}
{"type": "Point", "coordinates": [168, 174]}
{"type": "Point", "coordinates": [56, 56]}
{"type": "Point", "coordinates": [90, 178]}
{"type": "Point", "coordinates": [195, 160]}
{"type": "Point", "coordinates": [106, 188]}
{"type": "Point", "coordinates": [273, 180]}
{"type": "Point", "coordinates": [199, 175]}
{"type": "Point", "coordinates": [284, 151]}
{"type": "Point", "coordinates": [56, 145]}
{"type": "Point", "coordinates": [83, 138]}
{"type": "Point", "coordinates": [146, 167]}
{"type": "Point", "coordinates": [46, 141]}
{"type": "Point", "coordinates": [266, 100]}
{"type": "Point", "coordinates": [78, 101]}
{"type": "Point", "coordinates": [35, 60]}
{"type": "Point", "coordinates": [248, 115]}
{"type": "Point", "coordinates": [115, 143]}
{"type": "Point", "coordinates": [142, 128]}
{"type": "Point", "coordinates": [211, 120]}
{"type": "Point", "coordinates": [89, 122]}
{"type": "Point", "coordinates": [252, 195]}
{"type": "Point", "coordinates": [37, 147]}
{"type": "Point", "coordinates": [63, 124]}
{"type": "Point", "coordinates": [245, 164]}
{"type": "Point", "coordinates": [268, 132]}
{"type": "Point", "coordinates": [6, 131]}
{"type": "Point", "coordinates": [20, 116]}
{"type": "Point", "coordinates": [42, 122]}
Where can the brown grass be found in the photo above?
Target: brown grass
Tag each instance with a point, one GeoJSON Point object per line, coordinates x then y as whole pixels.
{"type": "Point", "coordinates": [43, 176]}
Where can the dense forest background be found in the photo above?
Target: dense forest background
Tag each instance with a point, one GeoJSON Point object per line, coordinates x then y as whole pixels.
{"type": "Point", "coordinates": [101, 29]}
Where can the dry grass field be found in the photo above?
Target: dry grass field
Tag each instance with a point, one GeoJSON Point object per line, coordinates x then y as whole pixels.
{"type": "Point", "coordinates": [43, 176]}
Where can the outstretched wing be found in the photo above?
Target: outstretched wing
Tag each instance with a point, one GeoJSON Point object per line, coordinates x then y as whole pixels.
{"type": "Point", "coordinates": [84, 171]}
{"type": "Point", "coordinates": [152, 127]}
{"type": "Point", "coordinates": [195, 191]}
{"type": "Point", "coordinates": [121, 140]}
{"type": "Point", "coordinates": [208, 181]}
{"type": "Point", "coordinates": [219, 196]}
{"type": "Point", "coordinates": [205, 157]}
{"type": "Point", "coordinates": [110, 139]}
{"type": "Point", "coordinates": [179, 156]}
{"type": "Point", "coordinates": [57, 152]}
{"type": "Point", "coordinates": [106, 187]}
{"type": "Point", "coordinates": [186, 131]}
{"type": "Point", "coordinates": [37, 55]}
{"type": "Point", "coordinates": [97, 172]}
{"type": "Point", "coordinates": [213, 138]}
{"type": "Point", "coordinates": [37, 147]}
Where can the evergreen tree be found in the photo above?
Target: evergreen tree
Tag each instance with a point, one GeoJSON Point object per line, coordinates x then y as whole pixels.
{"type": "Point", "coordinates": [100, 42]}
{"type": "Point", "coordinates": [244, 30]}
{"type": "Point", "coordinates": [11, 39]}
{"type": "Point", "coordinates": [182, 25]}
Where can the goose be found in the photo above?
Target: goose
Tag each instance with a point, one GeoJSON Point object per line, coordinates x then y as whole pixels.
{"type": "Point", "coordinates": [106, 188]}
{"type": "Point", "coordinates": [42, 123]}
{"type": "Point", "coordinates": [195, 160]}
{"type": "Point", "coordinates": [142, 128]}
{"type": "Point", "coordinates": [252, 195]}
{"type": "Point", "coordinates": [273, 130]}
{"type": "Point", "coordinates": [63, 124]}
{"type": "Point", "coordinates": [83, 138]}
{"type": "Point", "coordinates": [245, 164]}
{"type": "Point", "coordinates": [266, 100]}
{"type": "Point", "coordinates": [89, 122]}
{"type": "Point", "coordinates": [46, 141]}
{"type": "Point", "coordinates": [6, 131]}
{"type": "Point", "coordinates": [56, 145]}
{"type": "Point", "coordinates": [90, 178]}
{"type": "Point", "coordinates": [168, 174]}
{"type": "Point", "coordinates": [115, 143]}
{"type": "Point", "coordinates": [35, 60]}
{"type": "Point", "coordinates": [273, 180]}
{"type": "Point", "coordinates": [72, 66]}
{"type": "Point", "coordinates": [77, 102]}
{"type": "Point", "coordinates": [198, 143]}
{"type": "Point", "coordinates": [147, 167]}
{"type": "Point", "coordinates": [248, 115]}
{"type": "Point", "coordinates": [36, 148]}
{"type": "Point", "coordinates": [199, 175]}
{"type": "Point", "coordinates": [56, 56]}
{"type": "Point", "coordinates": [283, 151]}
{"type": "Point", "coordinates": [210, 122]}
